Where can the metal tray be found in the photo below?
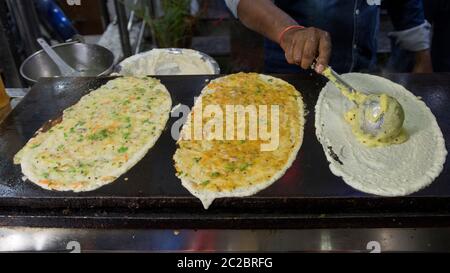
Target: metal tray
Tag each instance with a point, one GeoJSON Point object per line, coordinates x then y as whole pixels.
{"type": "Point", "coordinates": [307, 188]}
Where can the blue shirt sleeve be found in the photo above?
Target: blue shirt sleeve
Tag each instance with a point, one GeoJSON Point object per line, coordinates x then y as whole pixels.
{"type": "Point", "coordinates": [233, 6]}
{"type": "Point", "coordinates": [412, 31]}
{"type": "Point", "coordinates": [405, 14]}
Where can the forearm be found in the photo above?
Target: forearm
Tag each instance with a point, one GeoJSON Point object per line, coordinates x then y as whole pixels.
{"type": "Point", "coordinates": [264, 17]}
{"type": "Point", "coordinates": [301, 45]}
{"type": "Point", "coordinates": [423, 63]}
{"type": "Point", "coordinates": [423, 55]}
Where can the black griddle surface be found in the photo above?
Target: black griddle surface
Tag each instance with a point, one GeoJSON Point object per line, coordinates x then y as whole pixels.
{"type": "Point", "coordinates": [307, 186]}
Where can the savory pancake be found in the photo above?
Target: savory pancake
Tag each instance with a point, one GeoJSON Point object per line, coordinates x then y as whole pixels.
{"type": "Point", "coordinates": [231, 167]}
{"type": "Point", "coordinates": [99, 138]}
{"type": "Point", "coordinates": [393, 170]}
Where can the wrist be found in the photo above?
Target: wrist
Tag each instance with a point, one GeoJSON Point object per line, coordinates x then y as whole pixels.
{"type": "Point", "coordinates": [285, 32]}
{"type": "Point", "coordinates": [422, 54]}
{"type": "Point", "coordinates": [423, 62]}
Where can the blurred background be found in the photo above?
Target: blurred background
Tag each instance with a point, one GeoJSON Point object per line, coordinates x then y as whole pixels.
{"type": "Point", "coordinates": [128, 27]}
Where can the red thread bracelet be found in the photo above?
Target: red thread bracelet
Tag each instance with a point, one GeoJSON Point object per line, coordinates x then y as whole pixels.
{"type": "Point", "coordinates": [280, 39]}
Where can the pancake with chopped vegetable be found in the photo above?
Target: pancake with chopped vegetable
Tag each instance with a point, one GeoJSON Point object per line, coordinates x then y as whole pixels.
{"type": "Point", "coordinates": [99, 138]}
{"type": "Point", "coordinates": [215, 168]}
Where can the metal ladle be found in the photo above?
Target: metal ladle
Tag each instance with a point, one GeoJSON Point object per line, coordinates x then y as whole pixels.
{"type": "Point", "coordinates": [64, 68]}
{"type": "Point", "coordinates": [371, 107]}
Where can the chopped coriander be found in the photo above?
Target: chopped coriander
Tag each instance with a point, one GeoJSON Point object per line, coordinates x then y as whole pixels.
{"type": "Point", "coordinates": [230, 167]}
{"type": "Point", "coordinates": [123, 150]}
{"type": "Point", "coordinates": [197, 159]}
{"type": "Point", "coordinates": [204, 183]}
{"type": "Point", "coordinates": [101, 135]}
{"type": "Point", "coordinates": [215, 174]}
{"type": "Point", "coordinates": [80, 123]}
{"type": "Point", "coordinates": [244, 166]}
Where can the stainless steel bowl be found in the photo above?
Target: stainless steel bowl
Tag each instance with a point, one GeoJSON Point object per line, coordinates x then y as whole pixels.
{"type": "Point", "coordinates": [91, 60]}
{"type": "Point", "coordinates": [175, 51]}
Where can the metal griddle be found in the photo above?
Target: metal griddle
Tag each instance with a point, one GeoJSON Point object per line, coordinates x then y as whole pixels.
{"type": "Point", "coordinates": [307, 195]}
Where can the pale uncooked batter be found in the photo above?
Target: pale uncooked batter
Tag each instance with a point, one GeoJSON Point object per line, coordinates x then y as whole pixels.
{"type": "Point", "coordinates": [391, 131]}
{"type": "Point", "coordinates": [393, 170]}
{"type": "Point", "coordinates": [160, 61]}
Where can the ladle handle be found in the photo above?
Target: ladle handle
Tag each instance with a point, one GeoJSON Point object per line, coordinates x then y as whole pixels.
{"type": "Point", "coordinates": [62, 65]}
{"type": "Point", "coordinates": [337, 79]}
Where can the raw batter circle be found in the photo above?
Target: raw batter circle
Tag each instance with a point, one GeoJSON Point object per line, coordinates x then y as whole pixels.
{"type": "Point", "coordinates": [395, 170]}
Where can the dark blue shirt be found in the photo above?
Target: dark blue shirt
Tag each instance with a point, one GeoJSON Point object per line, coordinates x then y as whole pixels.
{"type": "Point", "coordinates": [353, 26]}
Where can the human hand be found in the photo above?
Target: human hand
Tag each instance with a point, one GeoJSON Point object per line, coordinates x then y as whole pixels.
{"type": "Point", "coordinates": [303, 46]}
